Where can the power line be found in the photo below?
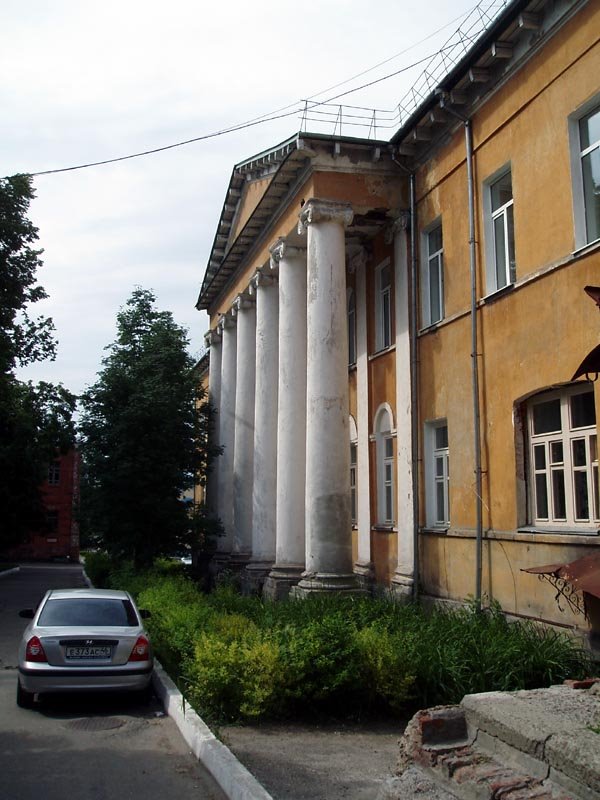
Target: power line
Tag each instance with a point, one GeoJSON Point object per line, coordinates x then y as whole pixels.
{"type": "Point", "coordinates": [274, 115]}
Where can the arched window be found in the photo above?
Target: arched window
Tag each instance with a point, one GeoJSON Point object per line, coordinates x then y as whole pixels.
{"type": "Point", "coordinates": [562, 454]}
{"type": "Point", "coordinates": [351, 327]}
{"type": "Point", "coordinates": [384, 442]}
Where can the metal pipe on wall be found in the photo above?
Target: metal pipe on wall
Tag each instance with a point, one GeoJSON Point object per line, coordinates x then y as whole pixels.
{"type": "Point", "coordinates": [414, 398]}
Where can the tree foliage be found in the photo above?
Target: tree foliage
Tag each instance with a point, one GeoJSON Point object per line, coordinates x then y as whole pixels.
{"type": "Point", "coordinates": [35, 420]}
{"type": "Point", "coordinates": [144, 436]}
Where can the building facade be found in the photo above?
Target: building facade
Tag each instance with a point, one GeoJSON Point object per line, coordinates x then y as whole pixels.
{"type": "Point", "coordinates": [394, 331]}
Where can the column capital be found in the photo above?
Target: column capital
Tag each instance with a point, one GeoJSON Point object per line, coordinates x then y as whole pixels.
{"type": "Point", "coordinates": [315, 210]}
{"type": "Point", "coordinates": [212, 337]}
{"type": "Point", "coordinates": [400, 224]}
{"type": "Point", "coordinates": [260, 278]}
{"type": "Point", "coordinates": [282, 249]}
{"type": "Point", "coordinates": [227, 321]}
{"type": "Point", "coordinates": [241, 303]}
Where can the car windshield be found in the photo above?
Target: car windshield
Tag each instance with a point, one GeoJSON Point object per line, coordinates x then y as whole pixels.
{"type": "Point", "coordinates": [89, 611]}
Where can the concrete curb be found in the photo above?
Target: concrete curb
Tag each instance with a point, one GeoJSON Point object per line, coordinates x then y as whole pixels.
{"type": "Point", "coordinates": [9, 572]}
{"type": "Point", "coordinates": [233, 778]}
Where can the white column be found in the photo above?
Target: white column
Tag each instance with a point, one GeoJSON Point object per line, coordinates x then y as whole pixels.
{"type": "Point", "coordinates": [213, 341]}
{"type": "Point", "coordinates": [264, 496]}
{"type": "Point", "coordinates": [328, 520]}
{"type": "Point", "coordinates": [227, 429]}
{"type": "Point", "coordinates": [291, 420]}
{"type": "Point", "coordinates": [403, 579]}
{"type": "Point", "coordinates": [243, 451]}
{"type": "Point", "coordinates": [364, 564]}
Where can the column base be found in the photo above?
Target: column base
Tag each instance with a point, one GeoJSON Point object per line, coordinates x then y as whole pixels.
{"type": "Point", "coordinates": [219, 562]}
{"type": "Point", "coordinates": [365, 575]}
{"type": "Point", "coordinates": [327, 583]}
{"type": "Point", "coordinates": [281, 580]}
{"type": "Point", "coordinates": [253, 576]}
{"type": "Point", "coordinates": [238, 561]}
{"type": "Point", "coordinates": [402, 587]}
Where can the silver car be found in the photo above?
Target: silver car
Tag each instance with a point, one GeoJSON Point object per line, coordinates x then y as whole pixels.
{"type": "Point", "coordinates": [84, 640]}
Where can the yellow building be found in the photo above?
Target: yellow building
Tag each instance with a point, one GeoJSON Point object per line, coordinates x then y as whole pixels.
{"type": "Point", "coordinates": [395, 327]}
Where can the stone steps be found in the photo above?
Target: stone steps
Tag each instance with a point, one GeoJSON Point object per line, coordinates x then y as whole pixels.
{"type": "Point", "coordinates": [503, 746]}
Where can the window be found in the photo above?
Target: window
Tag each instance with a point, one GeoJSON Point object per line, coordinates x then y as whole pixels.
{"type": "Point", "coordinates": [383, 305]}
{"type": "Point", "coordinates": [51, 521]}
{"type": "Point", "coordinates": [500, 231]}
{"type": "Point", "coordinates": [437, 474]}
{"type": "Point", "coordinates": [433, 276]}
{"type": "Point", "coordinates": [54, 473]}
{"type": "Point", "coordinates": [384, 438]}
{"type": "Point", "coordinates": [589, 154]}
{"type": "Point", "coordinates": [563, 458]}
{"type": "Point", "coordinates": [351, 327]}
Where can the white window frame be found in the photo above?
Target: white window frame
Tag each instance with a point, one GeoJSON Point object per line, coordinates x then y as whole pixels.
{"type": "Point", "coordinates": [385, 460]}
{"type": "Point", "coordinates": [437, 475]}
{"type": "Point", "coordinates": [54, 473]}
{"type": "Point", "coordinates": [577, 154]}
{"type": "Point", "coordinates": [490, 217]}
{"type": "Point", "coordinates": [383, 302]}
{"type": "Point", "coordinates": [351, 314]}
{"type": "Point", "coordinates": [432, 262]}
{"type": "Point", "coordinates": [552, 470]}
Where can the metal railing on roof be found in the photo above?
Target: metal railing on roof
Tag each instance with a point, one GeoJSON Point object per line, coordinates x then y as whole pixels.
{"type": "Point", "coordinates": [365, 122]}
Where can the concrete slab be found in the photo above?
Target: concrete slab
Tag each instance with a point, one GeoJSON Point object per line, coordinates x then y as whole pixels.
{"type": "Point", "coordinates": [576, 754]}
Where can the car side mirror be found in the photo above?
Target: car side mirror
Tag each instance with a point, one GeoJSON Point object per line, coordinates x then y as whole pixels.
{"type": "Point", "coordinates": [27, 613]}
{"type": "Point", "coordinates": [144, 613]}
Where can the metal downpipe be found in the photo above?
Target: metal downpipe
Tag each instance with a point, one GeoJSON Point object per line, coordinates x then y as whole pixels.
{"type": "Point", "coordinates": [414, 395]}
{"type": "Point", "coordinates": [475, 367]}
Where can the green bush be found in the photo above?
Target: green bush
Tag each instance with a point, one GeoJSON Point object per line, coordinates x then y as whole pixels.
{"type": "Point", "coordinates": [97, 565]}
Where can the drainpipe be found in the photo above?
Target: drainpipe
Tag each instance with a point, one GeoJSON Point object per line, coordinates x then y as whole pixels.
{"type": "Point", "coordinates": [474, 346]}
{"type": "Point", "coordinates": [414, 374]}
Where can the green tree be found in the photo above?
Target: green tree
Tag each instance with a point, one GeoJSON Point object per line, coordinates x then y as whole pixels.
{"type": "Point", "coordinates": [144, 440]}
{"type": "Point", "coordinates": [35, 420]}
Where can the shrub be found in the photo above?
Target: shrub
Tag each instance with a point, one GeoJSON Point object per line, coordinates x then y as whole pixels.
{"type": "Point", "coordinates": [97, 566]}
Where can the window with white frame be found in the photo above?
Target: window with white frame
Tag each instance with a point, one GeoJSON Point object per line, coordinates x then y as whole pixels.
{"type": "Point", "coordinates": [383, 305]}
{"type": "Point", "coordinates": [500, 231]}
{"type": "Point", "coordinates": [432, 284]}
{"type": "Point", "coordinates": [585, 138]}
{"type": "Point", "coordinates": [351, 327]}
{"type": "Point", "coordinates": [54, 473]}
{"type": "Point", "coordinates": [437, 474]}
{"type": "Point", "coordinates": [384, 438]}
{"type": "Point", "coordinates": [563, 458]}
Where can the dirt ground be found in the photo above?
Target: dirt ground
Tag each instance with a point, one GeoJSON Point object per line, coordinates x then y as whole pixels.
{"type": "Point", "coordinates": [332, 761]}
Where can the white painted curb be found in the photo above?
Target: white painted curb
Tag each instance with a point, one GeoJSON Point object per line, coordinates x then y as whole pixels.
{"type": "Point", "coordinates": [233, 778]}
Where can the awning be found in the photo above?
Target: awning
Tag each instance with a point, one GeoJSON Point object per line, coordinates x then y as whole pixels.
{"type": "Point", "coordinates": [581, 575]}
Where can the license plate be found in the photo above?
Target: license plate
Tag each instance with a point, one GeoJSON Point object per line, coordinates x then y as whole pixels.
{"type": "Point", "coordinates": [87, 652]}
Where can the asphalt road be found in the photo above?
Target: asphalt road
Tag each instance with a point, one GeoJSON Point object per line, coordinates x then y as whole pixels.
{"type": "Point", "coordinates": [85, 747]}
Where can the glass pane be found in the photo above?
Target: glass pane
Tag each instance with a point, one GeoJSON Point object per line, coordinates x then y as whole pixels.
{"type": "Point", "coordinates": [435, 240]}
{"type": "Point", "coordinates": [353, 454]}
{"type": "Point", "coordinates": [541, 497]}
{"type": "Point", "coordinates": [389, 448]}
{"type": "Point", "coordinates": [582, 508]}
{"type": "Point", "coordinates": [594, 448]}
{"type": "Point", "coordinates": [556, 449]}
{"type": "Point", "coordinates": [583, 412]}
{"type": "Point", "coordinates": [439, 500]}
{"type": "Point", "coordinates": [385, 278]}
{"type": "Point", "coordinates": [590, 165]}
{"type": "Point", "coordinates": [539, 456]}
{"type": "Point", "coordinates": [388, 503]}
{"type": "Point", "coordinates": [510, 232]}
{"type": "Point", "coordinates": [441, 437]}
{"type": "Point", "coordinates": [385, 319]}
{"type": "Point", "coordinates": [353, 505]}
{"type": "Point", "coordinates": [439, 467]}
{"type": "Point", "coordinates": [589, 128]}
{"type": "Point", "coordinates": [546, 417]}
{"type": "Point", "coordinates": [387, 473]}
{"type": "Point", "coordinates": [559, 504]}
{"type": "Point", "coordinates": [596, 494]}
{"type": "Point", "coordinates": [435, 289]}
{"type": "Point", "coordinates": [579, 454]}
{"type": "Point", "coordinates": [501, 191]}
{"type": "Point", "coordinates": [500, 252]}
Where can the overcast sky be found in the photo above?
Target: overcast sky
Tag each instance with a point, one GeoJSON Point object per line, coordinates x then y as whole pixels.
{"type": "Point", "coordinates": [83, 82]}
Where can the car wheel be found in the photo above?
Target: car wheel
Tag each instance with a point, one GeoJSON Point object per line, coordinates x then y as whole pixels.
{"type": "Point", "coordinates": [24, 698]}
